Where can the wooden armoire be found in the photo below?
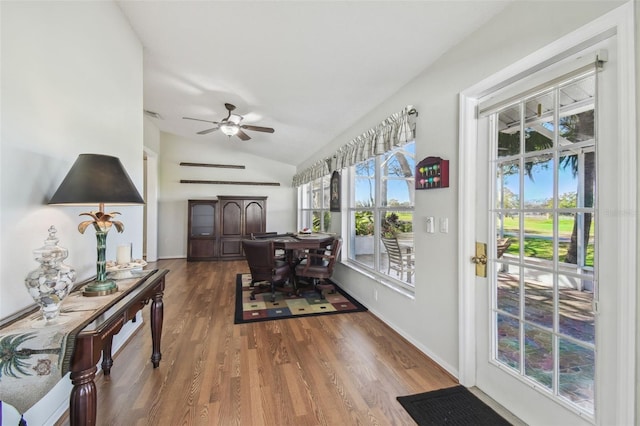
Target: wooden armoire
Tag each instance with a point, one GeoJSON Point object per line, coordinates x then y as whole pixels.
{"type": "Point", "coordinates": [229, 220]}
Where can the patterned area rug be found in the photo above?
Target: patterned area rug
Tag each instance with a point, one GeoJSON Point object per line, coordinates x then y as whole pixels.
{"type": "Point", "coordinates": [450, 406]}
{"type": "Point", "coordinates": [289, 306]}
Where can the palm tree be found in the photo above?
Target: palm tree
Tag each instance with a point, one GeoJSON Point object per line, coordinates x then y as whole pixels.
{"type": "Point", "coordinates": [13, 360]}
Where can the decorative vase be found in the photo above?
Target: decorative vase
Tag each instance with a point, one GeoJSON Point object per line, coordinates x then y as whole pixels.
{"type": "Point", "coordinates": [53, 280]}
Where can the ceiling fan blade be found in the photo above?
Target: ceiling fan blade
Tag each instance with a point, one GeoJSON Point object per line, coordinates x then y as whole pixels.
{"type": "Point", "coordinates": [198, 119]}
{"type": "Point", "coordinates": [257, 128]}
{"type": "Point", "coordinates": [242, 135]}
{"type": "Point", "coordinates": [204, 132]}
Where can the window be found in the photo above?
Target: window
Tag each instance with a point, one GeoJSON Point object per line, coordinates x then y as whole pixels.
{"type": "Point", "coordinates": [381, 204]}
{"type": "Point", "coordinates": [314, 205]}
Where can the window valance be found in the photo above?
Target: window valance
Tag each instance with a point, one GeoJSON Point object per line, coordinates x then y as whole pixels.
{"type": "Point", "coordinates": [396, 130]}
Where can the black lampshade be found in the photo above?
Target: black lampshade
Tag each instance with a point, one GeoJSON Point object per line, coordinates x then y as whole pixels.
{"type": "Point", "coordinates": [97, 179]}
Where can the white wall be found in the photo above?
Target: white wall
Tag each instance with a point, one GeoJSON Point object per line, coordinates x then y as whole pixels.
{"type": "Point", "coordinates": [172, 207]}
{"type": "Point", "coordinates": [430, 320]}
{"type": "Point", "coordinates": [71, 83]}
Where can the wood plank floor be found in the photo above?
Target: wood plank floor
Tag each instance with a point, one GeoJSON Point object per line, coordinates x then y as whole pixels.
{"type": "Point", "coordinates": [342, 369]}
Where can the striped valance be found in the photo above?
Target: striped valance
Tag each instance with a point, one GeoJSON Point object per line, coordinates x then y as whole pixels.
{"type": "Point", "coordinates": [394, 131]}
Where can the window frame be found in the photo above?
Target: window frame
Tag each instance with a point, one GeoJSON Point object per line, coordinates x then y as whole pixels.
{"type": "Point", "coordinates": [306, 208]}
{"type": "Point", "coordinates": [379, 211]}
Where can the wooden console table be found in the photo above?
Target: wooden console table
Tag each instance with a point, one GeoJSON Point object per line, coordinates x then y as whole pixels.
{"type": "Point", "coordinates": [36, 354]}
{"type": "Point", "coordinates": [96, 338]}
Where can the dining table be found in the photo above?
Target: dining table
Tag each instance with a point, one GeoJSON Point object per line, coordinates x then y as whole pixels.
{"type": "Point", "coordinates": [295, 245]}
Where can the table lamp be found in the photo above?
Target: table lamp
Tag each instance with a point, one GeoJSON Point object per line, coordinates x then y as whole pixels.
{"type": "Point", "coordinates": [98, 179]}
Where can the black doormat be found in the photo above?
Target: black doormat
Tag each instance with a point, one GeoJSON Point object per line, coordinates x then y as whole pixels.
{"type": "Point", "coordinates": [450, 406]}
{"type": "Point", "coordinates": [289, 306]}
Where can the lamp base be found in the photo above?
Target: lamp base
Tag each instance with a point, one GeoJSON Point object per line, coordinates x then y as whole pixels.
{"type": "Point", "coordinates": [100, 288]}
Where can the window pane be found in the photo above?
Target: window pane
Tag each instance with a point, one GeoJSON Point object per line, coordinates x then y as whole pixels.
{"type": "Point", "coordinates": [317, 215]}
{"type": "Point", "coordinates": [576, 239]}
{"type": "Point", "coordinates": [509, 227]}
{"type": "Point", "coordinates": [365, 184]}
{"type": "Point", "coordinates": [508, 340]}
{"type": "Point", "coordinates": [363, 250]}
{"type": "Point", "coordinates": [397, 258]}
{"type": "Point", "coordinates": [316, 194]}
{"type": "Point", "coordinates": [538, 134]}
{"type": "Point", "coordinates": [575, 305]}
{"type": "Point", "coordinates": [325, 192]}
{"type": "Point", "coordinates": [508, 298]}
{"type": "Point", "coordinates": [509, 131]}
{"type": "Point", "coordinates": [568, 182]}
{"type": "Point", "coordinates": [395, 223]}
{"type": "Point", "coordinates": [577, 374]}
{"type": "Point", "coordinates": [305, 202]}
{"type": "Point", "coordinates": [538, 357]}
{"type": "Point", "coordinates": [508, 181]}
{"type": "Point", "coordinates": [538, 236]}
{"type": "Point", "coordinates": [576, 111]}
{"type": "Point", "coordinates": [576, 179]}
{"type": "Point", "coordinates": [538, 181]}
{"type": "Point", "coordinates": [397, 177]}
{"type": "Point", "coordinates": [538, 297]}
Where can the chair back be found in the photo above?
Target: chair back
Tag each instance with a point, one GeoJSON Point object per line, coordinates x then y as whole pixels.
{"type": "Point", "coordinates": [319, 263]}
{"type": "Point", "coordinates": [336, 247]}
{"type": "Point", "coordinates": [258, 235]}
{"type": "Point", "coordinates": [260, 257]}
{"type": "Point", "coordinates": [393, 250]}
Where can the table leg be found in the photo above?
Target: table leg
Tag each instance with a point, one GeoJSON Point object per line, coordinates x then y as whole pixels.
{"type": "Point", "coordinates": [157, 312]}
{"type": "Point", "coordinates": [83, 402]}
{"type": "Point", "coordinates": [107, 360]}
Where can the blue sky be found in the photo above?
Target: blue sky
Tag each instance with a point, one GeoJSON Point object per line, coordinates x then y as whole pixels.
{"type": "Point", "coordinates": [541, 187]}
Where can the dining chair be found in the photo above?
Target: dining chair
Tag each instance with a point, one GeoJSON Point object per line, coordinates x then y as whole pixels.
{"type": "Point", "coordinates": [399, 260]}
{"type": "Point", "coordinates": [318, 265]}
{"type": "Point", "coordinates": [266, 267]}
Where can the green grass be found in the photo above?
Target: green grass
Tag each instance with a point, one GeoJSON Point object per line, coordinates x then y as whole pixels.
{"type": "Point", "coordinates": [543, 225]}
{"type": "Point", "coordinates": [543, 248]}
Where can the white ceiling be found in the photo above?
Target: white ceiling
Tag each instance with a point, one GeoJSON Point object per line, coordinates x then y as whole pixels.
{"type": "Point", "coordinates": [309, 69]}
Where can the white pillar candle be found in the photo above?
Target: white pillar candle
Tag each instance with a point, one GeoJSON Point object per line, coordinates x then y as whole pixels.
{"type": "Point", "coordinates": [123, 254]}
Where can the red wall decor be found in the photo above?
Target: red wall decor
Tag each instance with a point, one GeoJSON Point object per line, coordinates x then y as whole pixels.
{"type": "Point", "coordinates": [431, 173]}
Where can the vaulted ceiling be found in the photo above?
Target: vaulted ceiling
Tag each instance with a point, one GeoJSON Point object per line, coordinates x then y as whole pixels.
{"type": "Point", "coordinates": [308, 69]}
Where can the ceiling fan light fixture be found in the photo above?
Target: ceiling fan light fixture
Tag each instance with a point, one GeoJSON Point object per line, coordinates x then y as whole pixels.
{"type": "Point", "coordinates": [229, 129]}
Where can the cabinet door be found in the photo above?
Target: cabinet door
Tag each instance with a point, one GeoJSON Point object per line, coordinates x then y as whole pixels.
{"type": "Point", "coordinates": [202, 228]}
{"type": "Point", "coordinates": [231, 223]}
{"type": "Point", "coordinates": [201, 249]}
{"type": "Point", "coordinates": [231, 229]}
{"type": "Point", "coordinates": [202, 218]}
{"type": "Point", "coordinates": [254, 217]}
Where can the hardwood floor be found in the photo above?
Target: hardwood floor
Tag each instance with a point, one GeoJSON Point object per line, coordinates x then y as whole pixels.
{"type": "Point", "coordinates": [343, 369]}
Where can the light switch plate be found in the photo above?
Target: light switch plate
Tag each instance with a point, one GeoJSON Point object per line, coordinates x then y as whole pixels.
{"type": "Point", "coordinates": [444, 225]}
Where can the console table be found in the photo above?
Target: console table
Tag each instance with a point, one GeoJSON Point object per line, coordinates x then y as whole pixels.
{"type": "Point", "coordinates": [96, 338]}
{"type": "Point", "coordinates": [37, 354]}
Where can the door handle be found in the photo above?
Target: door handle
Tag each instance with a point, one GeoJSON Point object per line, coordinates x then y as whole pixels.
{"type": "Point", "coordinates": [480, 259]}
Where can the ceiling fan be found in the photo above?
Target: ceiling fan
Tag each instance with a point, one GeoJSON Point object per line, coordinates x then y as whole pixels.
{"type": "Point", "coordinates": [230, 125]}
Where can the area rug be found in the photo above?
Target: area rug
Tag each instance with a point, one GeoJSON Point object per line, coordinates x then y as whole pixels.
{"type": "Point", "coordinates": [289, 306]}
{"type": "Point", "coordinates": [450, 406]}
